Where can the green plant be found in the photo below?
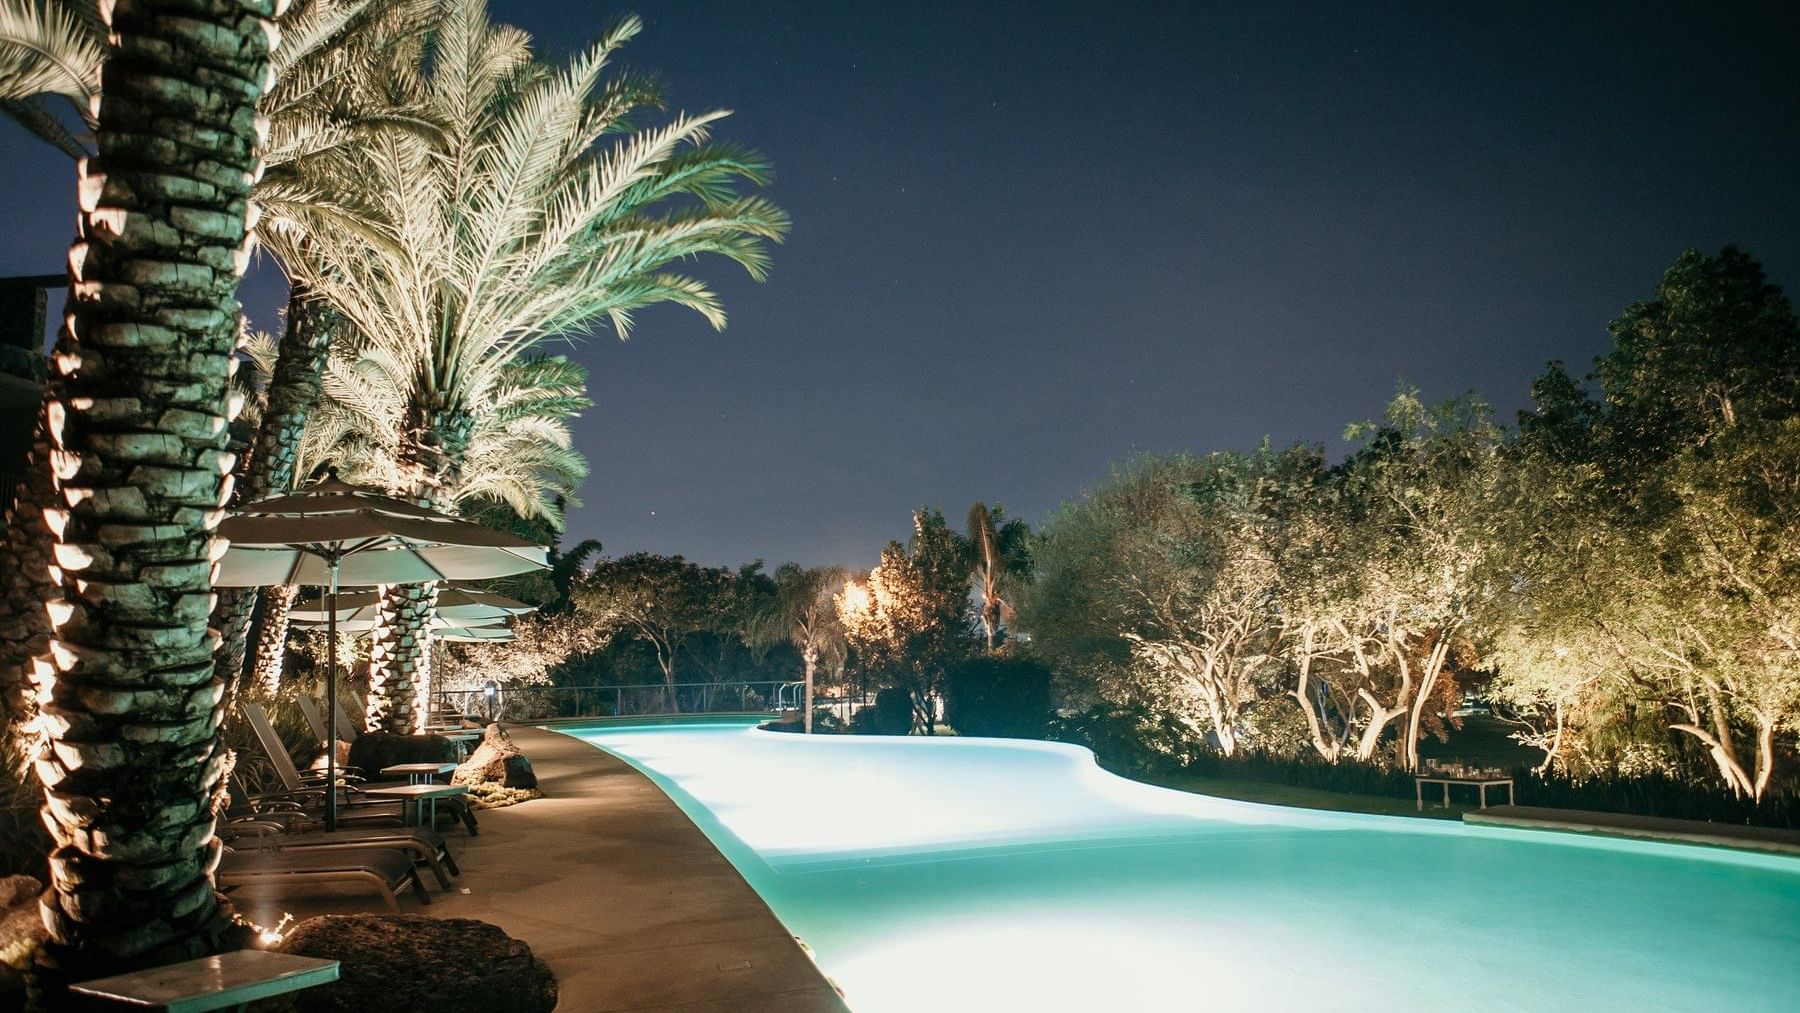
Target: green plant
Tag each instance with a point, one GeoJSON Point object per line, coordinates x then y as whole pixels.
{"type": "Point", "coordinates": [999, 696]}
{"type": "Point", "coordinates": [1133, 739]}
{"type": "Point", "coordinates": [891, 715]}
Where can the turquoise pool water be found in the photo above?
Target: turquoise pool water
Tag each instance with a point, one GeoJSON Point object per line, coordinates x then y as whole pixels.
{"type": "Point", "coordinates": [984, 874]}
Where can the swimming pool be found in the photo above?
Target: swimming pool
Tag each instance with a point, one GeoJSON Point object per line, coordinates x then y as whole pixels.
{"type": "Point", "coordinates": [985, 874]}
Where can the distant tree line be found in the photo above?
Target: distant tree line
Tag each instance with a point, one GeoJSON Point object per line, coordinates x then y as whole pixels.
{"type": "Point", "coordinates": [1616, 576]}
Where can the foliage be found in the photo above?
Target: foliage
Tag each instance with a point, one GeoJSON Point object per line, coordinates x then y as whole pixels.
{"type": "Point", "coordinates": [1618, 578]}
{"type": "Point", "coordinates": [1652, 560]}
{"type": "Point", "coordinates": [891, 714]}
{"type": "Point", "coordinates": [911, 619]}
{"type": "Point", "coordinates": [1007, 697]}
{"type": "Point", "coordinates": [23, 840]}
{"type": "Point", "coordinates": [1171, 568]}
{"type": "Point", "coordinates": [1134, 738]}
{"type": "Point", "coordinates": [661, 600]}
{"type": "Point", "coordinates": [999, 560]}
{"type": "Point", "coordinates": [537, 211]}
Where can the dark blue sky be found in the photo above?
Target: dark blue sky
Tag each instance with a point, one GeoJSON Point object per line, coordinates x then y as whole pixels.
{"type": "Point", "coordinates": [1030, 240]}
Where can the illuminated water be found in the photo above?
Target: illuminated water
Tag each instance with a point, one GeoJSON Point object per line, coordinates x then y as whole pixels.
{"type": "Point", "coordinates": [981, 874]}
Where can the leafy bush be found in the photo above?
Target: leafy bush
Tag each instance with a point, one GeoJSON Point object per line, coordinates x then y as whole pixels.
{"type": "Point", "coordinates": [891, 715]}
{"type": "Point", "coordinates": [1132, 739]}
{"type": "Point", "coordinates": [1006, 697]}
{"type": "Point", "coordinates": [23, 840]}
{"type": "Point", "coordinates": [376, 750]}
{"type": "Point", "coordinates": [1653, 794]}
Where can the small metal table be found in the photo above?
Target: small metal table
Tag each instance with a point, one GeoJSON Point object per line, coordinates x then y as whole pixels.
{"type": "Point", "coordinates": [417, 773]}
{"type": "Point", "coordinates": [224, 981]}
{"type": "Point", "coordinates": [1484, 783]}
{"type": "Point", "coordinates": [418, 801]}
{"type": "Point", "coordinates": [461, 736]}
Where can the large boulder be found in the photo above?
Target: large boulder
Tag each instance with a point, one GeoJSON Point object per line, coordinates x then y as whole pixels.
{"type": "Point", "coordinates": [416, 962]}
{"type": "Point", "coordinates": [497, 760]}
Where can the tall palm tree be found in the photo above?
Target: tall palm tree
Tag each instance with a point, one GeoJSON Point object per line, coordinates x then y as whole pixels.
{"type": "Point", "coordinates": [53, 51]}
{"type": "Point", "coordinates": [998, 551]}
{"type": "Point", "coordinates": [543, 213]}
{"type": "Point", "coordinates": [520, 456]}
{"type": "Point", "coordinates": [807, 615]}
{"type": "Point", "coordinates": [131, 757]}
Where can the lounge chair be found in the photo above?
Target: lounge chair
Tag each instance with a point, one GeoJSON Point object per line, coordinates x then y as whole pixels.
{"type": "Point", "coordinates": [284, 827]}
{"type": "Point", "coordinates": [308, 789]}
{"type": "Point", "coordinates": [388, 869]}
{"type": "Point", "coordinates": [314, 720]}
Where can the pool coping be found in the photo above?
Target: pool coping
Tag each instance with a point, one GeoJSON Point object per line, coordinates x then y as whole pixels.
{"type": "Point", "coordinates": [1767, 840]}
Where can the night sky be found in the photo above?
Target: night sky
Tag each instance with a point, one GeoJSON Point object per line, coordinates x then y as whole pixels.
{"type": "Point", "coordinates": [1029, 241]}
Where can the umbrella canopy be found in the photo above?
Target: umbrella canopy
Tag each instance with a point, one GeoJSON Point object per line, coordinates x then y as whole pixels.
{"type": "Point", "coordinates": [377, 540]}
{"type": "Point", "coordinates": [331, 533]}
{"type": "Point", "coordinates": [474, 634]}
{"type": "Point", "coordinates": [465, 607]}
{"type": "Point", "coordinates": [365, 624]}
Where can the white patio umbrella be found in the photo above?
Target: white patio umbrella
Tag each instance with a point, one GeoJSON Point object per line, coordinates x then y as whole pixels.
{"type": "Point", "coordinates": [461, 605]}
{"type": "Point", "coordinates": [331, 534]}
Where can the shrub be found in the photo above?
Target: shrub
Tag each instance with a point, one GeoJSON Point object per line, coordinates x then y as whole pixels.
{"type": "Point", "coordinates": [891, 715]}
{"type": "Point", "coordinates": [376, 750]}
{"type": "Point", "coordinates": [23, 840]}
{"type": "Point", "coordinates": [1005, 697]}
{"type": "Point", "coordinates": [1132, 739]}
{"type": "Point", "coordinates": [1653, 794]}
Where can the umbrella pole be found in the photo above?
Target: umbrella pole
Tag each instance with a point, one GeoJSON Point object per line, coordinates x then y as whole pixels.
{"type": "Point", "coordinates": [331, 701]}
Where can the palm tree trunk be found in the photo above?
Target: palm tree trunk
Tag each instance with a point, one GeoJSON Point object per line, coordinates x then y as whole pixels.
{"type": "Point", "coordinates": [400, 657]}
{"type": "Point", "coordinates": [271, 636]}
{"type": "Point", "coordinates": [132, 763]}
{"type": "Point", "coordinates": [811, 656]}
{"type": "Point", "coordinates": [438, 436]}
{"type": "Point", "coordinates": [293, 391]}
{"type": "Point", "coordinates": [25, 585]}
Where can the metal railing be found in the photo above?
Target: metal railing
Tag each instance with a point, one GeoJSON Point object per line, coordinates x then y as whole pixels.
{"type": "Point", "coordinates": [539, 703]}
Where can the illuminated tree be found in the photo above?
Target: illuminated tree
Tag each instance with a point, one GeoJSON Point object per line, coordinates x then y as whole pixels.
{"type": "Point", "coordinates": [661, 600]}
{"type": "Point", "coordinates": [543, 212]}
{"type": "Point", "coordinates": [999, 557]}
{"type": "Point", "coordinates": [911, 618]}
{"type": "Point", "coordinates": [807, 614]}
{"type": "Point", "coordinates": [1418, 493]}
{"type": "Point", "coordinates": [1175, 562]}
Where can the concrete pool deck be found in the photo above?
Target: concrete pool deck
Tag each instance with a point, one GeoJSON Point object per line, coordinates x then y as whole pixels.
{"type": "Point", "coordinates": [631, 905]}
{"type": "Point", "coordinates": [610, 883]}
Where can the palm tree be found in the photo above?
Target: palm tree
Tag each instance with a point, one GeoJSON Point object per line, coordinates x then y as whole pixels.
{"type": "Point", "coordinates": [999, 557]}
{"type": "Point", "coordinates": [807, 614]}
{"type": "Point", "coordinates": [131, 757]}
{"type": "Point", "coordinates": [523, 225]}
{"type": "Point", "coordinates": [323, 101]}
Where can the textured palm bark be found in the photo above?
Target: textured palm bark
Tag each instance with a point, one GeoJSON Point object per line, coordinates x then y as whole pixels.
{"type": "Point", "coordinates": [26, 582]}
{"type": "Point", "coordinates": [400, 658]}
{"type": "Point", "coordinates": [271, 636]}
{"type": "Point", "coordinates": [269, 468]}
{"type": "Point", "coordinates": [293, 393]}
{"type": "Point", "coordinates": [131, 758]}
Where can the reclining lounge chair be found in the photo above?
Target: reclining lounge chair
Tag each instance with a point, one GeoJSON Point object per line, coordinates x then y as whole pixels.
{"type": "Point", "coordinates": [387, 869]}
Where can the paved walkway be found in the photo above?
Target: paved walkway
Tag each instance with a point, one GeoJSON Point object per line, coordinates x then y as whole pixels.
{"type": "Point", "coordinates": [615, 887]}
{"type": "Point", "coordinates": [1650, 828]}
{"type": "Point", "coordinates": [629, 902]}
